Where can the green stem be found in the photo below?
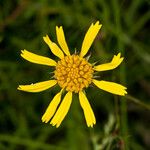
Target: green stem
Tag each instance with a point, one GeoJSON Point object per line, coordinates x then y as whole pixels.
{"type": "Point", "coordinates": [117, 112]}
{"type": "Point", "coordinates": [137, 101]}
{"type": "Point", "coordinates": [123, 107]}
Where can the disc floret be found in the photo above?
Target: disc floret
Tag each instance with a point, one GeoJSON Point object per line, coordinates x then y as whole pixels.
{"type": "Point", "coordinates": [74, 73]}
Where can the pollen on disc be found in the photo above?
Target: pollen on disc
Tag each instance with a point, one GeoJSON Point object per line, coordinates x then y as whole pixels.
{"type": "Point", "coordinates": [73, 73]}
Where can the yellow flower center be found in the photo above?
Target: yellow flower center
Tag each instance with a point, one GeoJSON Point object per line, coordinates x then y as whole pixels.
{"type": "Point", "coordinates": [73, 73]}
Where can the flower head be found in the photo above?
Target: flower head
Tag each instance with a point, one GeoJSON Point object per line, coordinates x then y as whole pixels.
{"type": "Point", "coordinates": [73, 73]}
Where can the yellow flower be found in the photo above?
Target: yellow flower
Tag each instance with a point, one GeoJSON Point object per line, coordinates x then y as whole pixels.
{"type": "Point", "coordinates": [73, 73]}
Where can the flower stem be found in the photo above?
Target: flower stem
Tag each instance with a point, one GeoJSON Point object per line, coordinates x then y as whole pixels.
{"type": "Point", "coordinates": [137, 101]}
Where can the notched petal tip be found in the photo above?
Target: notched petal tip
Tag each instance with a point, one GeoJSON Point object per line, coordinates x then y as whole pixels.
{"type": "Point", "coordinates": [98, 25]}
{"type": "Point", "coordinates": [118, 56]}
{"type": "Point", "coordinates": [44, 121]}
{"type": "Point", "coordinates": [23, 52]}
{"type": "Point", "coordinates": [19, 88]}
{"type": "Point", "coordinates": [90, 125]}
{"type": "Point", "coordinates": [124, 92]}
{"type": "Point", "coordinates": [45, 118]}
{"type": "Point", "coordinates": [121, 59]}
{"type": "Point", "coordinates": [58, 27]}
{"type": "Point", "coordinates": [54, 124]}
{"type": "Point", "coordinates": [47, 39]}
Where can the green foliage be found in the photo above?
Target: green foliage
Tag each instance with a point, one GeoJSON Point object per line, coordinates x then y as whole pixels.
{"type": "Point", "coordinates": [125, 29]}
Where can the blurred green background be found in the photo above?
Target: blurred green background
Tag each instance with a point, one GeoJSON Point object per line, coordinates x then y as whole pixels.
{"type": "Point", "coordinates": [122, 123]}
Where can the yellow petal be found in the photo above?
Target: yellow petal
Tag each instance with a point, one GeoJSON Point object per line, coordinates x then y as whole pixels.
{"type": "Point", "coordinates": [37, 87]}
{"type": "Point", "coordinates": [37, 58]}
{"type": "Point", "coordinates": [61, 40]}
{"type": "Point", "coordinates": [53, 47]}
{"type": "Point", "coordinates": [111, 87]}
{"type": "Point", "coordinates": [89, 38]}
{"type": "Point", "coordinates": [88, 112]}
{"type": "Point", "coordinates": [116, 61]}
{"type": "Point", "coordinates": [51, 109]}
{"type": "Point", "coordinates": [62, 110]}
